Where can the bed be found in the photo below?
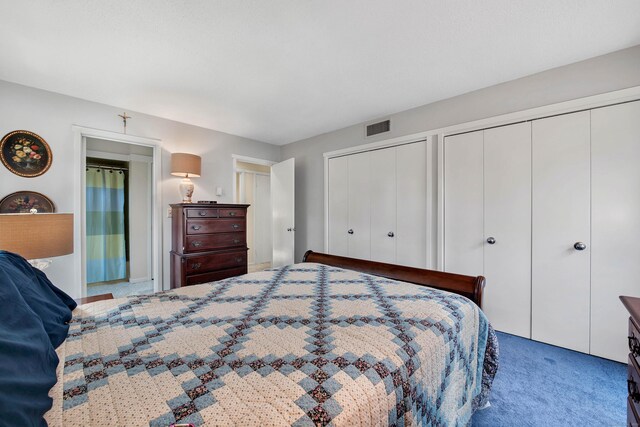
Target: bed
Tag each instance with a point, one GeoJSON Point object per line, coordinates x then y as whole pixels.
{"type": "Point", "coordinates": [330, 341]}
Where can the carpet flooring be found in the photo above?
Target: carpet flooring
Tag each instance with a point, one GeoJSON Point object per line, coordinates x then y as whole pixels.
{"type": "Point", "coordinates": [542, 385]}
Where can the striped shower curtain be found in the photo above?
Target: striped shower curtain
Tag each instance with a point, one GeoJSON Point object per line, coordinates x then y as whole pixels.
{"type": "Point", "coordinates": [106, 259]}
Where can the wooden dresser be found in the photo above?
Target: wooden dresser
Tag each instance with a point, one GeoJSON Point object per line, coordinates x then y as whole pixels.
{"type": "Point", "coordinates": [633, 377]}
{"type": "Point", "coordinates": [208, 242]}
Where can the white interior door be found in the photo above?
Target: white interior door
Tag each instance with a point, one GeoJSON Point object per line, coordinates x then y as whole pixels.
{"type": "Point", "coordinates": [338, 208]}
{"type": "Point", "coordinates": [359, 187]}
{"type": "Point", "coordinates": [463, 204]}
{"type": "Point", "coordinates": [383, 205]}
{"type": "Point", "coordinates": [507, 228]}
{"type": "Point", "coordinates": [561, 226]}
{"type": "Point", "coordinates": [615, 254]}
{"type": "Point", "coordinates": [411, 205]}
{"type": "Point", "coordinates": [283, 207]}
{"type": "Point", "coordinates": [262, 219]}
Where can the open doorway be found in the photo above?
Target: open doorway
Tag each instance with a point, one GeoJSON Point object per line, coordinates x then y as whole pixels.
{"type": "Point", "coordinates": [253, 187]}
{"type": "Point", "coordinates": [119, 217]}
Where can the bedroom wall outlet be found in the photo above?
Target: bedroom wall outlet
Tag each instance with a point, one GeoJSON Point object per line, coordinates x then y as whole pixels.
{"type": "Point", "coordinates": [169, 213]}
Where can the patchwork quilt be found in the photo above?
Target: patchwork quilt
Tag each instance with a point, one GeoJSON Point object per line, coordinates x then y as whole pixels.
{"type": "Point", "coordinates": [302, 345]}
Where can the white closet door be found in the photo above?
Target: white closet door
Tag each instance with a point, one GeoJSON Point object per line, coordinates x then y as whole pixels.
{"type": "Point", "coordinates": [507, 223]}
{"type": "Point", "coordinates": [561, 220]}
{"type": "Point", "coordinates": [411, 205]}
{"type": "Point", "coordinates": [383, 205]}
{"type": "Point", "coordinates": [615, 254]}
{"type": "Point", "coordinates": [463, 203]}
{"type": "Point", "coordinates": [338, 206]}
{"type": "Point", "coordinates": [359, 203]}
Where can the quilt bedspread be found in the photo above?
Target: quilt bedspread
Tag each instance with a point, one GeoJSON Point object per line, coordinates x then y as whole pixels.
{"type": "Point", "coordinates": [305, 344]}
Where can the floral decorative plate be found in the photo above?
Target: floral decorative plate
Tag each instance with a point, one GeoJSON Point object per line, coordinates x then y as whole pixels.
{"type": "Point", "coordinates": [25, 153]}
{"type": "Point", "coordinates": [24, 201]}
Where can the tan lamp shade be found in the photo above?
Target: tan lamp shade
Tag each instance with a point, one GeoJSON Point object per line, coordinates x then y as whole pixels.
{"type": "Point", "coordinates": [185, 165]}
{"type": "Point", "coordinates": [37, 235]}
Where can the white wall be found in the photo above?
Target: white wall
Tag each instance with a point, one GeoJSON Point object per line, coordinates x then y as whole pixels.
{"type": "Point", "coordinates": [614, 71]}
{"type": "Point", "coordinates": [51, 115]}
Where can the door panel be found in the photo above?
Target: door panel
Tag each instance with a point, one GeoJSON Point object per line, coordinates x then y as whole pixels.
{"type": "Point", "coordinates": [383, 205]}
{"type": "Point", "coordinates": [463, 203]}
{"type": "Point", "coordinates": [561, 217]}
{"type": "Point", "coordinates": [411, 205]}
{"type": "Point", "coordinates": [615, 257]}
{"type": "Point", "coordinates": [283, 204]}
{"type": "Point", "coordinates": [507, 219]}
{"type": "Point", "coordinates": [359, 204]}
{"type": "Point", "coordinates": [338, 206]}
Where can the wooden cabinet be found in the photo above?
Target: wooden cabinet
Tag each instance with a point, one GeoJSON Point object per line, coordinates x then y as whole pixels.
{"type": "Point", "coordinates": [208, 243]}
{"type": "Point", "coordinates": [633, 369]}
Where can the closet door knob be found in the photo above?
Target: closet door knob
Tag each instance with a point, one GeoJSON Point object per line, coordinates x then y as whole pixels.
{"type": "Point", "coordinates": [390, 234]}
{"type": "Point", "coordinates": [491, 240]}
{"type": "Point", "coordinates": [350, 231]}
{"type": "Point", "coordinates": [579, 246]}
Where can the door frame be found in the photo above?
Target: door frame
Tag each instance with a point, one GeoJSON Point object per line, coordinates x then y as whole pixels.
{"type": "Point", "coordinates": [80, 135]}
{"type": "Point", "coordinates": [235, 158]}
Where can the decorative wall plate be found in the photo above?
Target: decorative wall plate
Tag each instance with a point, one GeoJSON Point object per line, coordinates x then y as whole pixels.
{"type": "Point", "coordinates": [25, 153]}
{"type": "Point", "coordinates": [24, 201]}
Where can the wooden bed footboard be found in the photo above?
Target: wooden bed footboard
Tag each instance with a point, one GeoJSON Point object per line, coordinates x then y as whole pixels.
{"type": "Point", "coordinates": [467, 286]}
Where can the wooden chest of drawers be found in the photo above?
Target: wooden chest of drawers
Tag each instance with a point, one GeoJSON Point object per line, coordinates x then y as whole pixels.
{"type": "Point", "coordinates": [208, 242]}
{"type": "Point", "coordinates": [633, 376]}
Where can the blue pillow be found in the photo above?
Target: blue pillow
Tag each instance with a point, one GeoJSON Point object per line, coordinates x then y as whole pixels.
{"type": "Point", "coordinates": [39, 294]}
{"type": "Point", "coordinates": [28, 360]}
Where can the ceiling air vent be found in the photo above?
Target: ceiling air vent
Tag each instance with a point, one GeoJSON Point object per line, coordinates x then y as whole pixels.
{"type": "Point", "coordinates": [379, 127]}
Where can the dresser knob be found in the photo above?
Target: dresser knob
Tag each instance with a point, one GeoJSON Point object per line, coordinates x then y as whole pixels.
{"type": "Point", "coordinates": [232, 214]}
{"type": "Point", "coordinates": [195, 265]}
{"type": "Point", "coordinates": [238, 259]}
{"type": "Point", "coordinates": [196, 244]}
{"type": "Point", "coordinates": [235, 226]}
{"type": "Point", "coordinates": [196, 227]}
{"type": "Point", "coordinates": [203, 213]}
{"type": "Point", "coordinates": [236, 240]}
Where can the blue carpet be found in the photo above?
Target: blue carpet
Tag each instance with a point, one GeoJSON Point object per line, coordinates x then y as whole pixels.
{"type": "Point", "coordinates": [542, 385]}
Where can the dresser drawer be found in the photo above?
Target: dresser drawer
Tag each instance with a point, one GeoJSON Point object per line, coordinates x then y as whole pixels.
{"type": "Point", "coordinates": [201, 213]}
{"type": "Point", "coordinates": [215, 275]}
{"type": "Point", "coordinates": [634, 340]}
{"type": "Point", "coordinates": [205, 242]}
{"type": "Point", "coordinates": [633, 384]}
{"type": "Point", "coordinates": [203, 226]}
{"type": "Point", "coordinates": [632, 417]}
{"type": "Point", "coordinates": [204, 263]}
{"type": "Point", "coordinates": [232, 213]}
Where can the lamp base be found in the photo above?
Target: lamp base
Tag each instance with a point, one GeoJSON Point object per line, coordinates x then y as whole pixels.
{"type": "Point", "coordinates": [186, 190]}
{"type": "Point", "coordinates": [40, 263]}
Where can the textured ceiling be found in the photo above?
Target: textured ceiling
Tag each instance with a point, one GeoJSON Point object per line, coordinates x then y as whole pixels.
{"type": "Point", "coordinates": [283, 70]}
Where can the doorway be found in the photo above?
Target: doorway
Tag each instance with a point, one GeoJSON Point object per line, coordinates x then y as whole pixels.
{"type": "Point", "coordinates": [118, 217]}
{"type": "Point", "coordinates": [253, 187]}
{"type": "Point", "coordinates": [132, 145]}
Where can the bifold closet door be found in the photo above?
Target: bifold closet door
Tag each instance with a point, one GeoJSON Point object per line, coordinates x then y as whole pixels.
{"type": "Point", "coordinates": [383, 205]}
{"type": "Point", "coordinates": [338, 206]}
{"type": "Point", "coordinates": [507, 228]}
{"type": "Point", "coordinates": [561, 231]}
{"type": "Point", "coordinates": [463, 203]}
{"type": "Point", "coordinates": [615, 257]}
{"type": "Point", "coordinates": [411, 205]}
{"type": "Point", "coordinates": [359, 203]}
